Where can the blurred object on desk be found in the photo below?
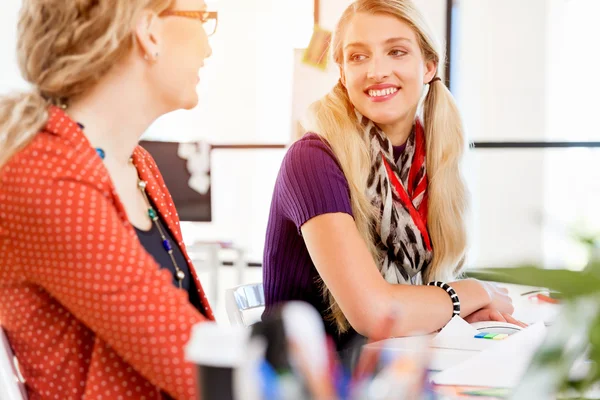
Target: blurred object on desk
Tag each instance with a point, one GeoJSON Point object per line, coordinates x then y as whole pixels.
{"type": "Point", "coordinates": [245, 304]}
{"type": "Point", "coordinates": [217, 351]}
{"type": "Point", "coordinates": [300, 362]}
{"type": "Point", "coordinates": [11, 380]}
{"type": "Point", "coordinates": [470, 392]}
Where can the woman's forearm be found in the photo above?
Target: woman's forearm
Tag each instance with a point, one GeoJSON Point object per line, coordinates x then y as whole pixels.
{"type": "Point", "coordinates": [366, 299]}
{"type": "Point", "coordinates": [425, 309]}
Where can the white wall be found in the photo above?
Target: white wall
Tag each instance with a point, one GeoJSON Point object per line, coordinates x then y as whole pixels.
{"type": "Point", "coordinates": [434, 11]}
{"type": "Point", "coordinates": [10, 78]}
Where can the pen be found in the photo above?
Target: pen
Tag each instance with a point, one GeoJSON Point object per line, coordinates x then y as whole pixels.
{"type": "Point", "coordinates": [338, 376]}
{"type": "Point", "coordinates": [546, 299]}
{"type": "Point", "coordinates": [269, 380]}
{"type": "Point", "coordinates": [318, 384]}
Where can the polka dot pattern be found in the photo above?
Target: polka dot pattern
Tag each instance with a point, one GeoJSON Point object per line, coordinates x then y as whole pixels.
{"type": "Point", "coordinates": [87, 310]}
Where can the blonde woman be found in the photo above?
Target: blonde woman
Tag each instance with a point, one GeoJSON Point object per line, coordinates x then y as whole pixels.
{"type": "Point", "coordinates": [372, 204]}
{"type": "Point", "coordinates": [97, 293]}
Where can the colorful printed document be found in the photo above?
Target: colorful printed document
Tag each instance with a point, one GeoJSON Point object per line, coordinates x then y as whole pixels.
{"type": "Point", "coordinates": [500, 366]}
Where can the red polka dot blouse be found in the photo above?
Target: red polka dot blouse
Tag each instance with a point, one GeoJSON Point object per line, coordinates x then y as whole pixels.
{"type": "Point", "coordinates": [87, 310]}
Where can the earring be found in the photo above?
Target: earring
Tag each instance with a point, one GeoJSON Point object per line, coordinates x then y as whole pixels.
{"type": "Point", "coordinates": [147, 57]}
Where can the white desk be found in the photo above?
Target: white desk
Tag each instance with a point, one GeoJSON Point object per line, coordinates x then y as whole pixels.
{"type": "Point", "coordinates": [525, 310]}
{"type": "Point", "coordinates": [528, 311]}
{"type": "Point", "coordinates": [440, 358]}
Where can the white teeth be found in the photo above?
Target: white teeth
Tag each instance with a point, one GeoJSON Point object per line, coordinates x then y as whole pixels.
{"type": "Point", "coordinates": [384, 92]}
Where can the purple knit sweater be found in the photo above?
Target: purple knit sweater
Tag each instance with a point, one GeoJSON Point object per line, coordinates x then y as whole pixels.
{"type": "Point", "coordinates": [310, 183]}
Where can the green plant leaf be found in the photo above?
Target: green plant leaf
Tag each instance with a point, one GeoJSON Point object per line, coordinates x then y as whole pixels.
{"type": "Point", "coordinates": [569, 283]}
{"type": "Point", "coordinates": [593, 268]}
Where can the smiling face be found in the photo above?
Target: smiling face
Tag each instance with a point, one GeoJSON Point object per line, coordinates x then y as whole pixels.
{"type": "Point", "coordinates": [183, 51]}
{"type": "Point", "coordinates": [383, 68]}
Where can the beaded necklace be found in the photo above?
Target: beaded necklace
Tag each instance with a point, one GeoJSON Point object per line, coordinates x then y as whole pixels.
{"type": "Point", "coordinates": [179, 274]}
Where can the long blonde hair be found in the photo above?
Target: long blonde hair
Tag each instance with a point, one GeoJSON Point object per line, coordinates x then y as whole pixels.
{"type": "Point", "coordinates": [63, 49]}
{"type": "Point", "coordinates": [333, 119]}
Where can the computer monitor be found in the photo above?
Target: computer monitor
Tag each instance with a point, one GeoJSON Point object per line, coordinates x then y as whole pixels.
{"type": "Point", "coordinates": [185, 168]}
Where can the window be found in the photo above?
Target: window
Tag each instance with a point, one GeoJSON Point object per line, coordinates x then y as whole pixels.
{"type": "Point", "coordinates": [531, 82]}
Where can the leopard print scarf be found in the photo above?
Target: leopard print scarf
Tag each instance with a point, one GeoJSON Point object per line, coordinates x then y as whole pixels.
{"type": "Point", "coordinates": [399, 191]}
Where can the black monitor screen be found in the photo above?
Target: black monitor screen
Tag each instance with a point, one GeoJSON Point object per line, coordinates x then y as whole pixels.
{"type": "Point", "coordinates": [190, 191]}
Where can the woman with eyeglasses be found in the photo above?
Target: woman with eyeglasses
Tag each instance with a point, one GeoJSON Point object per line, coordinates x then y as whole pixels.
{"type": "Point", "coordinates": [97, 293]}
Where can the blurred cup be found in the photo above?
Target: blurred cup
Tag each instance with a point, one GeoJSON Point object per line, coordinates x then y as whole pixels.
{"type": "Point", "coordinates": [217, 351]}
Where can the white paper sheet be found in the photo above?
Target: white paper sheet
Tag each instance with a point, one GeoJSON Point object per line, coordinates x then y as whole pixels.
{"type": "Point", "coordinates": [458, 334]}
{"type": "Point", "coordinates": [456, 327]}
{"type": "Point", "coordinates": [501, 366]}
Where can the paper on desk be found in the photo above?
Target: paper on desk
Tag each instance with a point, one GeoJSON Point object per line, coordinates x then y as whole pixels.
{"type": "Point", "coordinates": [458, 334]}
{"type": "Point", "coordinates": [502, 365]}
{"type": "Point", "coordinates": [456, 328]}
{"type": "Point", "coordinates": [531, 313]}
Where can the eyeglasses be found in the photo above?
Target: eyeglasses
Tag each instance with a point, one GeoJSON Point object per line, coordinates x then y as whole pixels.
{"type": "Point", "coordinates": [209, 19]}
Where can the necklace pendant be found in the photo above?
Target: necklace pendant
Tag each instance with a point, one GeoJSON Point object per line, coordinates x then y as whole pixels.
{"type": "Point", "coordinates": [100, 153]}
{"type": "Point", "coordinates": [180, 275]}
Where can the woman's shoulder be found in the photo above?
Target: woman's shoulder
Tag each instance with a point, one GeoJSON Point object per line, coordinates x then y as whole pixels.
{"type": "Point", "coordinates": [149, 170]}
{"type": "Point", "coordinates": [53, 157]}
{"type": "Point", "coordinates": [143, 156]}
{"type": "Point", "coordinates": [57, 155]}
{"type": "Point", "coordinates": [147, 166]}
{"type": "Point", "coordinates": [311, 164]}
{"type": "Point", "coordinates": [312, 140]}
{"type": "Point", "coordinates": [311, 150]}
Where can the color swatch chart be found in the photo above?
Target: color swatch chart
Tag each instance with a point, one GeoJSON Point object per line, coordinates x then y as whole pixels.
{"type": "Point", "coordinates": [491, 336]}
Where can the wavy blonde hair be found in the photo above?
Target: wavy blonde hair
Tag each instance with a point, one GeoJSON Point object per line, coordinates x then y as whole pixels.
{"type": "Point", "coordinates": [333, 119]}
{"type": "Point", "coordinates": [64, 48]}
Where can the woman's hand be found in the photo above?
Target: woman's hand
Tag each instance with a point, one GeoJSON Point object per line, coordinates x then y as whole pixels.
{"type": "Point", "coordinates": [488, 314]}
{"type": "Point", "coordinates": [500, 300]}
{"type": "Point", "coordinates": [499, 309]}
